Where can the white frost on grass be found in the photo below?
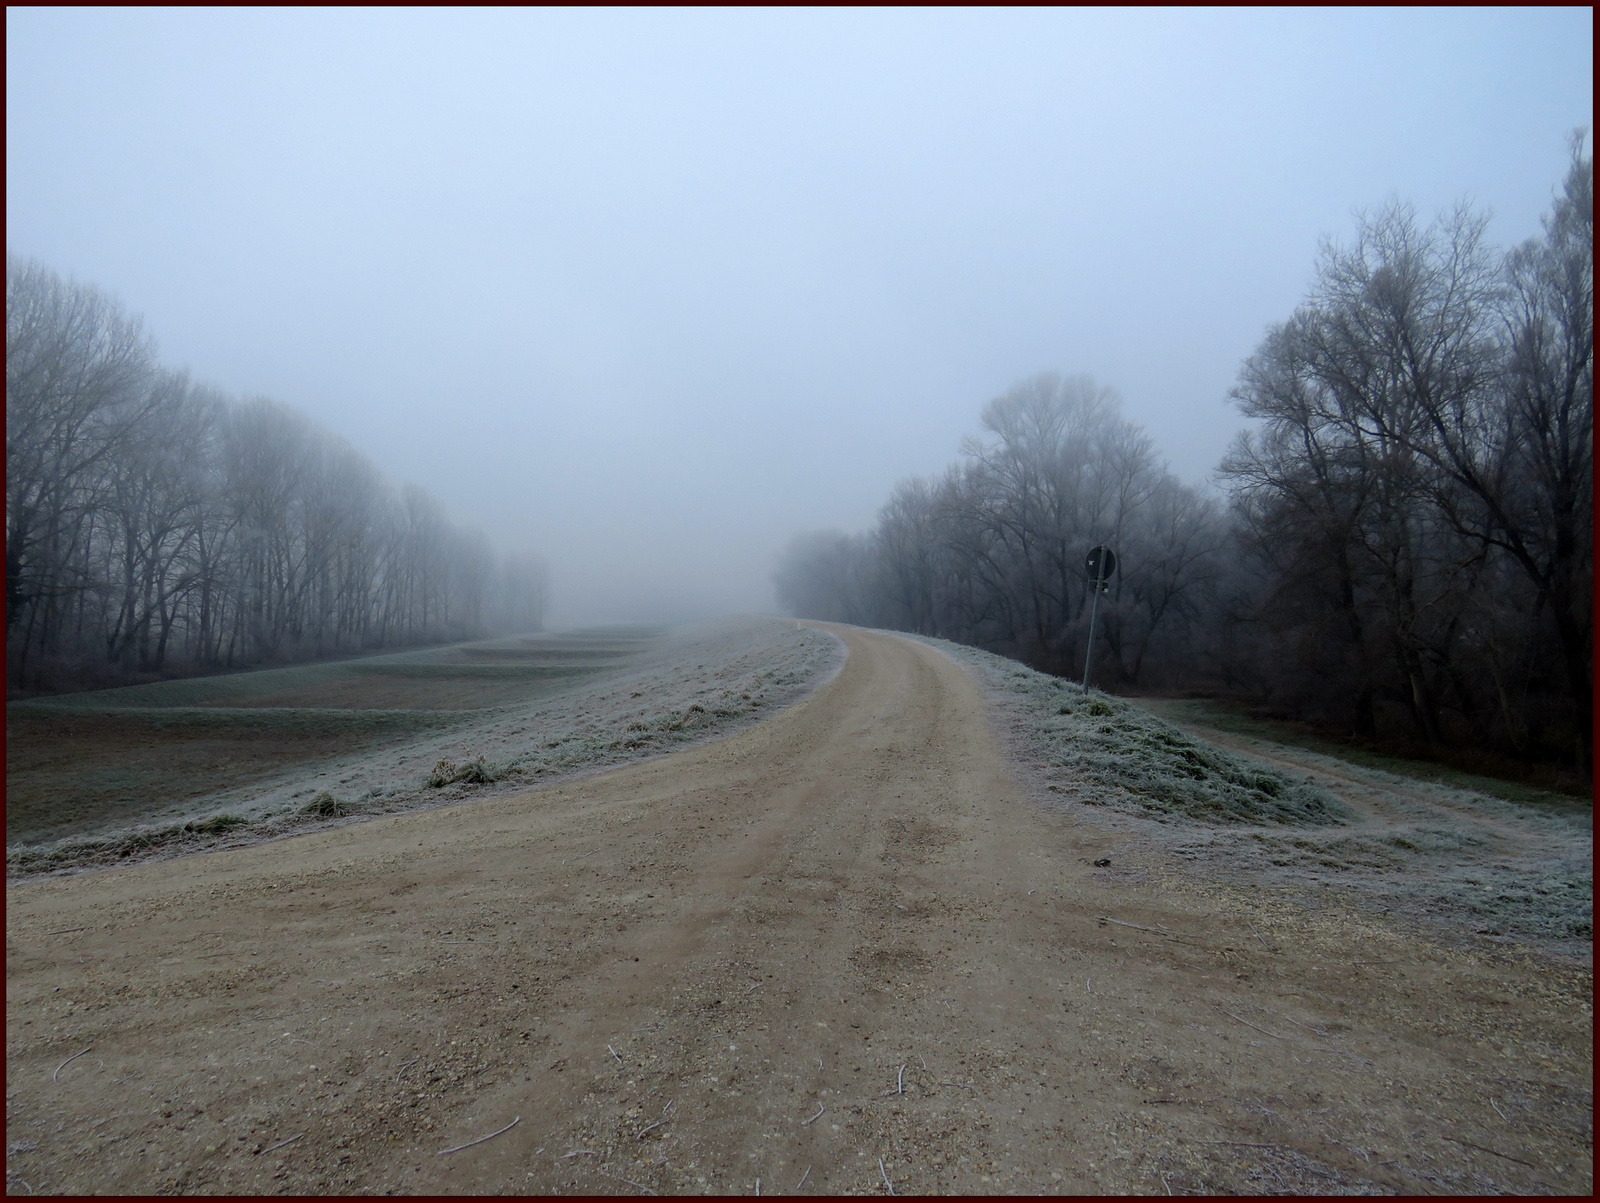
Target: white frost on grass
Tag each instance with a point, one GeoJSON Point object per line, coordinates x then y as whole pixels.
{"type": "Point", "coordinates": [1103, 751]}
{"type": "Point", "coordinates": [1454, 858]}
{"type": "Point", "coordinates": [708, 680]}
{"type": "Point", "coordinates": [700, 682]}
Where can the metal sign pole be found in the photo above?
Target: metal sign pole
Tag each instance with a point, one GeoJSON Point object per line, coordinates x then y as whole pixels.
{"type": "Point", "coordinates": [1094, 618]}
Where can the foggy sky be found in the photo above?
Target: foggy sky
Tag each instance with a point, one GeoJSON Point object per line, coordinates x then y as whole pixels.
{"type": "Point", "coordinates": [647, 292]}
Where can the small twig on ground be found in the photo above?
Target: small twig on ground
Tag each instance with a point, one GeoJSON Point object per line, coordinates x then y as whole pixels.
{"type": "Point", "coordinates": [1137, 927]}
{"type": "Point", "coordinates": [22, 1182]}
{"type": "Point", "coordinates": [1339, 1052]}
{"type": "Point", "coordinates": [923, 1059]}
{"type": "Point", "coordinates": [1264, 944]}
{"type": "Point", "coordinates": [281, 1143]}
{"type": "Point", "coordinates": [406, 1066]}
{"type": "Point", "coordinates": [803, 1178]}
{"type": "Point", "coordinates": [758, 1188]}
{"type": "Point", "coordinates": [629, 1181]}
{"type": "Point", "coordinates": [56, 1077]}
{"type": "Point", "coordinates": [814, 1118]}
{"type": "Point", "coordinates": [66, 931]}
{"type": "Point", "coordinates": [1497, 1110]}
{"type": "Point", "coordinates": [899, 1086]}
{"type": "Point", "coordinates": [480, 1139]}
{"type": "Point", "coordinates": [576, 1153]}
{"type": "Point", "coordinates": [650, 1128]}
{"type": "Point", "coordinates": [1248, 1024]}
{"type": "Point", "coordinates": [1166, 1184]}
{"type": "Point", "coordinates": [1487, 1149]}
{"type": "Point", "coordinates": [755, 987]}
{"type": "Point", "coordinates": [885, 1174]}
{"type": "Point", "coordinates": [613, 1052]}
{"type": "Point", "coordinates": [1298, 1024]}
{"type": "Point", "coordinates": [1238, 1144]}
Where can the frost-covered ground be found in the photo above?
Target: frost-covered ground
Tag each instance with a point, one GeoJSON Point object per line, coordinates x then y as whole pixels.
{"type": "Point", "coordinates": [1454, 858]}
{"type": "Point", "coordinates": [699, 682]}
{"type": "Point", "coordinates": [1101, 751]}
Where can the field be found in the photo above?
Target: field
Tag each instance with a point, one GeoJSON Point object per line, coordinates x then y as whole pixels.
{"type": "Point", "coordinates": [121, 772]}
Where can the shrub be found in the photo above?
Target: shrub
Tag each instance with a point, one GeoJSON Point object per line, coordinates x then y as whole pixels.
{"type": "Point", "coordinates": [325, 806]}
{"type": "Point", "coordinates": [474, 772]}
{"type": "Point", "coordinates": [215, 825]}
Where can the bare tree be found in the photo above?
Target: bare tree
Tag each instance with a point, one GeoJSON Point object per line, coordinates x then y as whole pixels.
{"type": "Point", "coordinates": [525, 592]}
{"type": "Point", "coordinates": [152, 525]}
{"type": "Point", "coordinates": [824, 575]}
{"type": "Point", "coordinates": [77, 374]}
{"type": "Point", "coordinates": [1426, 440]}
{"type": "Point", "coordinates": [1408, 548]}
{"type": "Point", "coordinates": [992, 553]}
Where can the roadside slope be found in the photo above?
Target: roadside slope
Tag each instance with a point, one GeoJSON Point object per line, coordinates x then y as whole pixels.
{"type": "Point", "coordinates": [841, 944]}
{"type": "Point", "coordinates": [577, 702]}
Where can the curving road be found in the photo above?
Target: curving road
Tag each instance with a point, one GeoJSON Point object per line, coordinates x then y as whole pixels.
{"type": "Point", "coordinates": [843, 944]}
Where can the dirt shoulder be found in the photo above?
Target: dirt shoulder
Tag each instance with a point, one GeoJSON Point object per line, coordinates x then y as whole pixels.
{"type": "Point", "coordinates": [842, 946]}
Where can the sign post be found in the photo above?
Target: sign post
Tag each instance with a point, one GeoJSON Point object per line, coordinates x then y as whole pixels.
{"type": "Point", "coordinates": [1100, 565]}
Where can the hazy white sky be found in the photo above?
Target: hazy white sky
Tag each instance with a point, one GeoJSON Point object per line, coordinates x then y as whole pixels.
{"type": "Point", "coordinates": [650, 291]}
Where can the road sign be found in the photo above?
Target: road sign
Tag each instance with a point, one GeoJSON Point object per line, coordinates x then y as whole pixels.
{"type": "Point", "coordinates": [1101, 564]}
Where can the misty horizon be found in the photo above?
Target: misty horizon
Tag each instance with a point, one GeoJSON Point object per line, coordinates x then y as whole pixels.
{"type": "Point", "coordinates": [648, 293]}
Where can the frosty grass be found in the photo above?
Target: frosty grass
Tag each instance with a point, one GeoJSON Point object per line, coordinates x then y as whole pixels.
{"type": "Point", "coordinates": [699, 682]}
{"type": "Point", "coordinates": [1453, 858]}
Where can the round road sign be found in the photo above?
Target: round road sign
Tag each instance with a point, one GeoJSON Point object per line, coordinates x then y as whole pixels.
{"type": "Point", "coordinates": [1101, 564]}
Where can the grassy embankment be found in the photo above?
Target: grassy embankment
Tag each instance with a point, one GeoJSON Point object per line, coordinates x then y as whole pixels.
{"type": "Point", "coordinates": [1531, 785]}
{"type": "Point", "coordinates": [1238, 799]}
{"type": "Point", "coordinates": [98, 777]}
{"type": "Point", "coordinates": [78, 763]}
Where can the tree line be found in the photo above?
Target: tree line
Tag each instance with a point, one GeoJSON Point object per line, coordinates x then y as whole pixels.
{"type": "Point", "coordinates": [155, 526]}
{"type": "Point", "coordinates": [1402, 545]}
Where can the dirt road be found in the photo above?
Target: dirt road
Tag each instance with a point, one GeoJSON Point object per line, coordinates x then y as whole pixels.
{"type": "Point", "coordinates": [840, 950]}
